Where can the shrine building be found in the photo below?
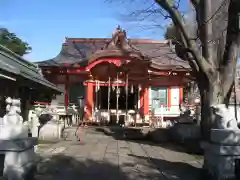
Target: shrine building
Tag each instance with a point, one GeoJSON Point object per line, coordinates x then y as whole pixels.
{"type": "Point", "coordinates": [119, 77]}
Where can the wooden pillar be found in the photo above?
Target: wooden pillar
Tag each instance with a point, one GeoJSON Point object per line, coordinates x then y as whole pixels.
{"type": "Point", "coordinates": [169, 98]}
{"type": "Point", "coordinates": [25, 96]}
{"type": "Point", "coordinates": [89, 101]}
{"type": "Point", "coordinates": [141, 101]}
{"type": "Point", "coordinates": [180, 95]}
{"type": "Point", "coordinates": [146, 101]}
{"type": "Point", "coordinates": [66, 99]}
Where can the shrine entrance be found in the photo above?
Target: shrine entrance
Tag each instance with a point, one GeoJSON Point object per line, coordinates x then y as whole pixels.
{"type": "Point", "coordinates": [117, 74]}
{"type": "Point", "coordinates": [120, 101]}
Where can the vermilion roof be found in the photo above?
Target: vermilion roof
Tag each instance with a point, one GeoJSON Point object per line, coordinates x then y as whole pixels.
{"type": "Point", "coordinates": [80, 50]}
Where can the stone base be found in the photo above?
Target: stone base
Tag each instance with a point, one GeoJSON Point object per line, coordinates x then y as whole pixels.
{"type": "Point", "coordinates": [13, 132]}
{"type": "Point", "coordinates": [18, 164]}
{"type": "Point", "coordinates": [225, 136]}
{"type": "Point", "coordinates": [51, 131]}
{"type": "Point", "coordinates": [20, 158]}
{"type": "Point", "coordinates": [219, 160]}
{"type": "Point", "coordinates": [220, 166]}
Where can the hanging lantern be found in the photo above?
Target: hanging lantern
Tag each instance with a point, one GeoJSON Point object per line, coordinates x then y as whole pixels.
{"type": "Point", "coordinates": [113, 88]}
{"type": "Point", "coordinates": [91, 77]}
{"type": "Point", "coordinates": [139, 87]}
{"type": "Point", "coordinates": [126, 86]}
{"type": "Point", "coordinates": [132, 90]}
{"type": "Point", "coordinates": [117, 85]}
{"type": "Point", "coordinates": [118, 91]}
{"type": "Point", "coordinates": [98, 85]}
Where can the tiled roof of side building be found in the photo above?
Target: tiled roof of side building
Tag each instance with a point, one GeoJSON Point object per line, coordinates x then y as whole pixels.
{"type": "Point", "coordinates": [80, 50]}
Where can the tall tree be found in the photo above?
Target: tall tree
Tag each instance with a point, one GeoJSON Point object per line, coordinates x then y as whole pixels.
{"type": "Point", "coordinates": [12, 42]}
{"type": "Point", "coordinates": [191, 89]}
{"type": "Point", "coordinates": [214, 65]}
{"type": "Point", "coordinates": [211, 48]}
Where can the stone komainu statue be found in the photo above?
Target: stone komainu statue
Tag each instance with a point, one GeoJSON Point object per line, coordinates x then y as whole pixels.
{"type": "Point", "coordinates": [13, 109]}
{"type": "Point", "coordinates": [224, 119]}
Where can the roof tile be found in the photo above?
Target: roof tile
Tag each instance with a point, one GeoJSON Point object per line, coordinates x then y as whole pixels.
{"type": "Point", "coordinates": [80, 50]}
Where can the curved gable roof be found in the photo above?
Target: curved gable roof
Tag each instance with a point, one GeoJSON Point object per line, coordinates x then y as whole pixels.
{"type": "Point", "coordinates": [80, 50]}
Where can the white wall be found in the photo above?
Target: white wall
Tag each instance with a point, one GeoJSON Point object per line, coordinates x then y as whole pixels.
{"type": "Point", "coordinates": [175, 99]}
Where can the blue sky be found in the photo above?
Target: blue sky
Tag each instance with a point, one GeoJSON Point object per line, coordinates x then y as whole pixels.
{"type": "Point", "coordinates": [44, 24]}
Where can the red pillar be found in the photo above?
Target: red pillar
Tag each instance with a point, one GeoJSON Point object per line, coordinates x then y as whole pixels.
{"type": "Point", "coordinates": [141, 108]}
{"type": "Point", "coordinates": [66, 99]}
{"type": "Point", "coordinates": [89, 100]}
{"type": "Point", "coordinates": [180, 95]}
{"type": "Point", "coordinates": [169, 98]}
{"type": "Point", "coordinates": [146, 101]}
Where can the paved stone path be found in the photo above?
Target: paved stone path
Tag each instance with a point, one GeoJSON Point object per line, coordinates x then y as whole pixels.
{"type": "Point", "coordinates": [99, 156]}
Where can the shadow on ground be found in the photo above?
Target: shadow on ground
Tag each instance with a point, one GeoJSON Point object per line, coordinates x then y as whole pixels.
{"type": "Point", "coordinates": [154, 137]}
{"type": "Point", "coordinates": [172, 170]}
{"type": "Point", "coordinates": [62, 167]}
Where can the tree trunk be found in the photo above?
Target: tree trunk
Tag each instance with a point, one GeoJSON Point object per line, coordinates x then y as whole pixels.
{"type": "Point", "coordinates": [211, 94]}
{"type": "Point", "coordinates": [207, 118]}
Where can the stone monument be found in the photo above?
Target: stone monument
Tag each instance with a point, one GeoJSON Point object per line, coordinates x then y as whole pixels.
{"type": "Point", "coordinates": [223, 150]}
{"type": "Point", "coordinates": [16, 147]}
{"type": "Point", "coordinates": [50, 126]}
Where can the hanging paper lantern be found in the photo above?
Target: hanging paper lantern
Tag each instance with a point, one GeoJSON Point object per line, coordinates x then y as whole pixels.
{"type": "Point", "coordinates": [98, 85]}
{"type": "Point", "coordinates": [132, 89]}
{"type": "Point", "coordinates": [118, 91]}
{"type": "Point", "coordinates": [139, 87]}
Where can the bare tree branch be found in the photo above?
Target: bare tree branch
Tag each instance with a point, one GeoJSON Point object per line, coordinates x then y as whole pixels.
{"type": "Point", "coordinates": [195, 2]}
{"type": "Point", "coordinates": [203, 65]}
{"type": "Point", "coordinates": [230, 56]}
{"type": "Point", "coordinates": [206, 31]}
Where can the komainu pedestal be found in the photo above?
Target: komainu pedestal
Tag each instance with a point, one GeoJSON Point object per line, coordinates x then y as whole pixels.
{"type": "Point", "coordinates": [223, 150]}
{"type": "Point", "coordinates": [16, 148]}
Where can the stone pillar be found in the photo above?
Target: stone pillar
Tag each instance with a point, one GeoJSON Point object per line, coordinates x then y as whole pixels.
{"type": "Point", "coordinates": [34, 124]}
{"type": "Point", "coordinates": [222, 153]}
